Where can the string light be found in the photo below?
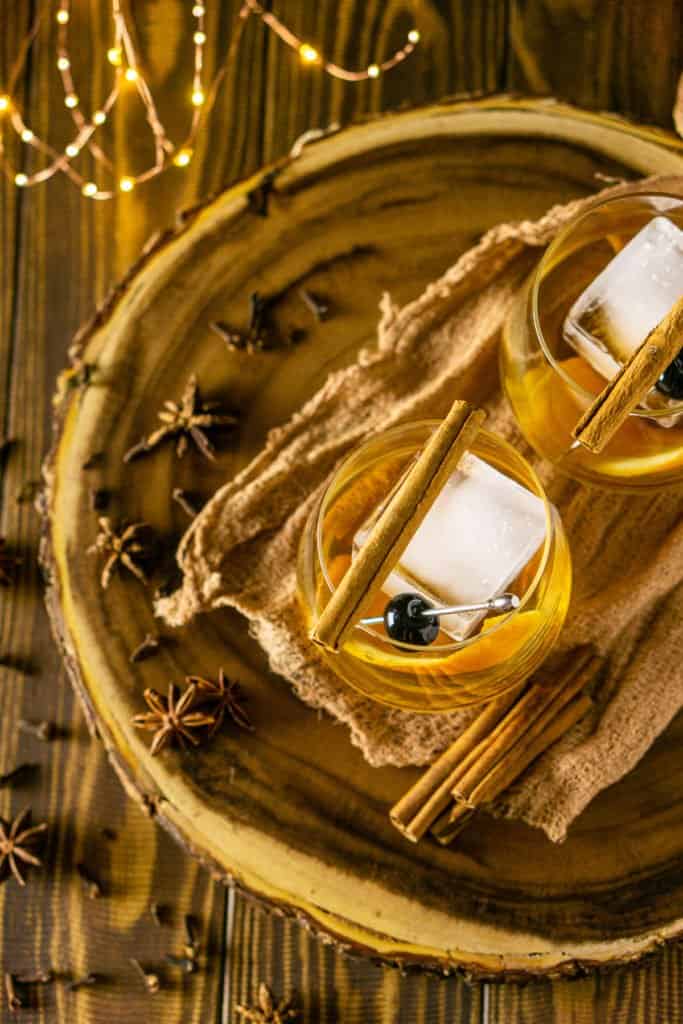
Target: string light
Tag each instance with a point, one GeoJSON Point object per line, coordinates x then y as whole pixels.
{"type": "Point", "coordinates": [166, 152]}
{"type": "Point", "coordinates": [308, 53]}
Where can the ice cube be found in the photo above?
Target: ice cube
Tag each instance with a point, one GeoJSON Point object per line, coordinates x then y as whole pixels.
{"type": "Point", "coordinates": [476, 538]}
{"type": "Point", "coordinates": [620, 307]}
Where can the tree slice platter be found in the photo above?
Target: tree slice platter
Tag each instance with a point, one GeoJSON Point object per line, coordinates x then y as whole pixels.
{"type": "Point", "coordinates": [291, 812]}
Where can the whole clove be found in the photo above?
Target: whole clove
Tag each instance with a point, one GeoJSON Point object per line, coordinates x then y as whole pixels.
{"type": "Point", "coordinates": [92, 884]}
{"type": "Point", "coordinates": [147, 649]}
{"type": "Point", "coordinates": [14, 1000]}
{"type": "Point", "coordinates": [150, 980]}
{"type": "Point", "coordinates": [21, 772]}
{"type": "Point", "coordinates": [184, 499]}
{"type": "Point", "coordinates": [87, 979]}
{"type": "Point", "coordinates": [45, 731]}
{"type": "Point", "coordinates": [316, 303]}
{"type": "Point", "coordinates": [40, 978]}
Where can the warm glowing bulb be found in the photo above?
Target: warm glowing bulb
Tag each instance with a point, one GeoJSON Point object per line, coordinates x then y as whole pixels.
{"type": "Point", "coordinates": [89, 189]}
{"type": "Point", "coordinates": [71, 100]}
{"type": "Point", "coordinates": [20, 180]}
{"type": "Point", "coordinates": [198, 10]}
{"type": "Point", "coordinates": [4, 104]}
{"type": "Point", "coordinates": [62, 17]}
{"type": "Point", "coordinates": [373, 71]}
{"type": "Point", "coordinates": [99, 117]}
{"type": "Point", "coordinates": [27, 135]}
{"type": "Point", "coordinates": [63, 63]}
{"type": "Point", "coordinates": [199, 38]}
{"type": "Point", "coordinates": [71, 150]}
{"type": "Point", "coordinates": [413, 36]}
{"type": "Point", "coordinates": [182, 157]}
{"type": "Point", "coordinates": [131, 75]}
{"type": "Point", "coordinates": [198, 97]}
{"type": "Point", "coordinates": [126, 184]}
{"type": "Point", "coordinates": [114, 56]}
{"type": "Point", "coordinates": [308, 53]}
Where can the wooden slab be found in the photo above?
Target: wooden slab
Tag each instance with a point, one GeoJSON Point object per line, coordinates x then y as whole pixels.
{"type": "Point", "coordinates": [292, 813]}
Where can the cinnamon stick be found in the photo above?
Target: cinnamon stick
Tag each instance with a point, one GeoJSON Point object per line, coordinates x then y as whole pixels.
{"type": "Point", "coordinates": [622, 394]}
{"type": "Point", "coordinates": [547, 731]}
{"type": "Point", "coordinates": [417, 809]}
{"type": "Point", "coordinates": [397, 524]}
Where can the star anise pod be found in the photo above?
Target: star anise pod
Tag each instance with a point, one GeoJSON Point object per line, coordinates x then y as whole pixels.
{"type": "Point", "coordinates": [184, 421]}
{"type": "Point", "coordinates": [267, 1011]}
{"type": "Point", "coordinates": [123, 547]}
{"type": "Point", "coordinates": [17, 839]}
{"type": "Point", "coordinates": [8, 563]}
{"type": "Point", "coordinates": [172, 718]}
{"type": "Point", "coordinates": [225, 697]}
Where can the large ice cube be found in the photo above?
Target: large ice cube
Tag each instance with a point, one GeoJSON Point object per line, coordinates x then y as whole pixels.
{"type": "Point", "coordinates": [477, 537]}
{"type": "Point", "coordinates": [620, 307]}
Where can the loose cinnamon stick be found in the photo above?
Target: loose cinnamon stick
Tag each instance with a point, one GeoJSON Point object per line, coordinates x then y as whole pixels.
{"type": "Point", "coordinates": [547, 731]}
{"type": "Point", "coordinates": [622, 394]}
{"type": "Point", "coordinates": [431, 794]}
{"type": "Point", "coordinates": [542, 701]}
{"type": "Point", "coordinates": [396, 526]}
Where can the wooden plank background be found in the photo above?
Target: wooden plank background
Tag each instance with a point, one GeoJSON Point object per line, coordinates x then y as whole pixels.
{"type": "Point", "coordinates": [60, 254]}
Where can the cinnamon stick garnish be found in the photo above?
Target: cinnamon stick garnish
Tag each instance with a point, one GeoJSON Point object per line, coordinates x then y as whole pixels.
{"type": "Point", "coordinates": [508, 770]}
{"type": "Point", "coordinates": [637, 376]}
{"type": "Point", "coordinates": [542, 701]}
{"type": "Point", "coordinates": [490, 739]}
{"type": "Point", "coordinates": [397, 524]}
{"type": "Point", "coordinates": [431, 794]}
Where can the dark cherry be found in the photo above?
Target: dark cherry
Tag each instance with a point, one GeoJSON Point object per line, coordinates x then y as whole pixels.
{"type": "Point", "coordinates": [404, 622]}
{"type": "Point", "coordinates": [671, 381]}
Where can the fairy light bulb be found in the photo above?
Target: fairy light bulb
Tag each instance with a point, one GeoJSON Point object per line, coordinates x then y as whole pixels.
{"type": "Point", "coordinates": [198, 10]}
{"type": "Point", "coordinates": [373, 71]}
{"type": "Point", "coordinates": [114, 56]}
{"type": "Point", "coordinates": [20, 179]}
{"type": "Point", "coordinates": [197, 98]}
{"type": "Point", "coordinates": [63, 63]}
{"type": "Point", "coordinates": [308, 53]}
{"type": "Point", "coordinates": [89, 189]}
{"type": "Point", "coordinates": [71, 150]}
{"type": "Point", "coordinates": [27, 135]}
{"type": "Point", "coordinates": [413, 36]}
{"type": "Point", "coordinates": [182, 157]}
{"type": "Point", "coordinates": [131, 75]}
{"type": "Point", "coordinates": [199, 38]}
{"type": "Point", "coordinates": [99, 117]}
{"type": "Point", "coordinates": [5, 104]}
{"type": "Point", "coordinates": [62, 16]}
{"type": "Point", "coordinates": [126, 184]}
{"type": "Point", "coordinates": [71, 100]}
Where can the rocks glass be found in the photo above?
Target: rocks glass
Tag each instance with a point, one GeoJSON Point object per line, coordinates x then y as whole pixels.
{"type": "Point", "coordinates": [607, 279]}
{"type": "Point", "coordinates": [490, 530]}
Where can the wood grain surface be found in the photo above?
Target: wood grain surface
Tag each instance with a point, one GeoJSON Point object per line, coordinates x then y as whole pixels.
{"type": "Point", "coordinates": [59, 256]}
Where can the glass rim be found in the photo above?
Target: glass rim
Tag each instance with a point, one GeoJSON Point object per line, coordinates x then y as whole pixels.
{"type": "Point", "coordinates": [547, 258]}
{"type": "Point", "coordinates": [435, 652]}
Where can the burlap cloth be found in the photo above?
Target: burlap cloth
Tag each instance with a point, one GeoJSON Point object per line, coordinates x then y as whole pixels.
{"type": "Point", "coordinates": [627, 551]}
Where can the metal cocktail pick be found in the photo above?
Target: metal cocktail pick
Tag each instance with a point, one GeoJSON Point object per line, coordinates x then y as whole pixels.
{"type": "Point", "coordinates": [497, 605]}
